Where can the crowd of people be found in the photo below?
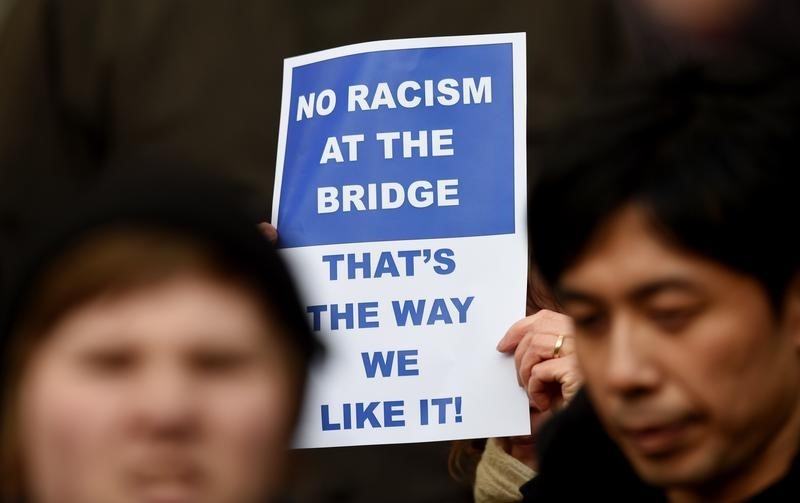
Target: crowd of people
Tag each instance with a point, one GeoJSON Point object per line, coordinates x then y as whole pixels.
{"type": "Point", "coordinates": [154, 348]}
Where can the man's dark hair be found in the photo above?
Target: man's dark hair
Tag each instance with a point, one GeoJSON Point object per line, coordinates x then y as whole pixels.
{"type": "Point", "coordinates": [713, 163]}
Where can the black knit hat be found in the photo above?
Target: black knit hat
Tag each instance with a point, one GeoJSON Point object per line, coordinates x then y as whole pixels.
{"type": "Point", "coordinates": [192, 203]}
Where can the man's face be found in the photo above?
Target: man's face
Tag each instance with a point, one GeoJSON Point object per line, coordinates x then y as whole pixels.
{"type": "Point", "coordinates": [177, 391]}
{"type": "Point", "coordinates": [686, 363]}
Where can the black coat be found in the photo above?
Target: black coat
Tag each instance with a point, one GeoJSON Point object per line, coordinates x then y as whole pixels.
{"type": "Point", "coordinates": [579, 462]}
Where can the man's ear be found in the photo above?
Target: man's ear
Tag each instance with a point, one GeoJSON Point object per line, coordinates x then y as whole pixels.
{"type": "Point", "coordinates": [792, 309]}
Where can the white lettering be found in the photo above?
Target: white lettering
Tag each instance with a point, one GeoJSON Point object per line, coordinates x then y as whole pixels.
{"type": "Point", "coordinates": [383, 97]}
{"type": "Point", "coordinates": [357, 94]}
{"type": "Point", "coordinates": [448, 92]}
{"type": "Point", "coordinates": [441, 138]}
{"type": "Point", "coordinates": [387, 196]}
{"type": "Point", "coordinates": [421, 144]}
{"type": "Point", "coordinates": [327, 200]}
{"type": "Point", "coordinates": [305, 107]}
{"type": "Point", "coordinates": [331, 151]}
{"type": "Point", "coordinates": [388, 140]}
{"type": "Point", "coordinates": [351, 196]}
{"type": "Point", "coordinates": [474, 94]}
{"type": "Point", "coordinates": [330, 96]}
{"type": "Point", "coordinates": [412, 94]}
{"type": "Point", "coordinates": [423, 188]}
{"type": "Point", "coordinates": [402, 94]}
{"type": "Point", "coordinates": [352, 141]}
{"type": "Point", "coordinates": [446, 188]}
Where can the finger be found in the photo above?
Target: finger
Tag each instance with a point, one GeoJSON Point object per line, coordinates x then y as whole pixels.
{"type": "Point", "coordinates": [554, 381]}
{"type": "Point", "coordinates": [542, 388]}
{"type": "Point", "coordinates": [567, 347]}
{"type": "Point", "coordinates": [269, 231]}
{"type": "Point", "coordinates": [571, 379]}
{"type": "Point", "coordinates": [542, 321]}
{"type": "Point", "coordinates": [539, 349]}
{"type": "Point", "coordinates": [542, 347]}
{"type": "Point", "coordinates": [514, 334]}
{"type": "Point", "coordinates": [520, 352]}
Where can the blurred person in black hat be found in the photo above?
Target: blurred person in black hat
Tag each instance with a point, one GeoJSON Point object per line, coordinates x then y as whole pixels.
{"type": "Point", "coordinates": [153, 349]}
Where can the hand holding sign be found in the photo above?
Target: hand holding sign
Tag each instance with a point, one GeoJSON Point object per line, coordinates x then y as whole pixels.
{"type": "Point", "coordinates": [549, 378]}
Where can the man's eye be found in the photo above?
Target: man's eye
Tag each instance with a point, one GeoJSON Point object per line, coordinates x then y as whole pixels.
{"type": "Point", "coordinates": [589, 322]}
{"type": "Point", "coordinates": [109, 362]}
{"type": "Point", "coordinates": [674, 319]}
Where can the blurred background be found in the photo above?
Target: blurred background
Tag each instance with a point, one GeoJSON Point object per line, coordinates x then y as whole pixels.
{"type": "Point", "coordinates": [85, 82]}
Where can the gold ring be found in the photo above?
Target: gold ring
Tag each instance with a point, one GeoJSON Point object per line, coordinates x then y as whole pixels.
{"type": "Point", "coordinates": [557, 347]}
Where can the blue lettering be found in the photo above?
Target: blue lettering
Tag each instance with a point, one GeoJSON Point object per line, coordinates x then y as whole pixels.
{"type": "Point", "coordinates": [367, 310]}
{"type": "Point", "coordinates": [390, 411]}
{"type": "Point", "coordinates": [408, 256]}
{"type": "Point", "coordinates": [404, 360]}
{"type": "Point", "coordinates": [462, 307]}
{"type": "Point", "coordinates": [385, 362]}
{"type": "Point", "coordinates": [386, 265]}
{"type": "Point", "coordinates": [353, 265]}
{"type": "Point", "coordinates": [333, 265]}
{"type": "Point", "coordinates": [326, 421]}
{"type": "Point", "coordinates": [337, 316]}
{"type": "Point", "coordinates": [409, 309]}
{"type": "Point", "coordinates": [316, 312]}
{"type": "Point", "coordinates": [364, 415]}
{"type": "Point", "coordinates": [439, 312]}
{"type": "Point", "coordinates": [378, 360]}
{"type": "Point", "coordinates": [442, 403]}
{"type": "Point", "coordinates": [444, 258]}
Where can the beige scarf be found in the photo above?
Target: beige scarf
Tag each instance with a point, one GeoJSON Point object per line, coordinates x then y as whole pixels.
{"type": "Point", "coordinates": [499, 475]}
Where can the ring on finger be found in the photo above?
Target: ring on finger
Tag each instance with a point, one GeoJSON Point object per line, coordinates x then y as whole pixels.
{"type": "Point", "coordinates": [558, 345]}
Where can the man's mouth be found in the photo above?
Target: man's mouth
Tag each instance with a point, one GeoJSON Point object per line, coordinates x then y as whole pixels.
{"type": "Point", "coordinates": [657, 438]}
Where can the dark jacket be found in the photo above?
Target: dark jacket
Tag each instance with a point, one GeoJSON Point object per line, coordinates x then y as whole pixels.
{"type": "Point", "coordinates": [579, 462]}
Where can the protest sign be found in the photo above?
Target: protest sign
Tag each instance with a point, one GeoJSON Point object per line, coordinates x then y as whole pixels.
{"type": "Point", "coordinates": [399, 201]}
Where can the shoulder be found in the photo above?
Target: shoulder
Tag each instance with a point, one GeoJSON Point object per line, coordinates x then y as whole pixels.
{"type": "Point", "coordinates": [578, 461]}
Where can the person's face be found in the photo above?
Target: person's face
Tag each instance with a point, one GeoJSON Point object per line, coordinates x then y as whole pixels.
{"type": "Point", "coordinates": [175, 392]}
{"type": "Point", "coordinates": [689, 369]}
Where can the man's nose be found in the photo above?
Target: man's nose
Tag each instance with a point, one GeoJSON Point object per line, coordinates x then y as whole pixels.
{"type": "Point", "coordinates": [631, 368]}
